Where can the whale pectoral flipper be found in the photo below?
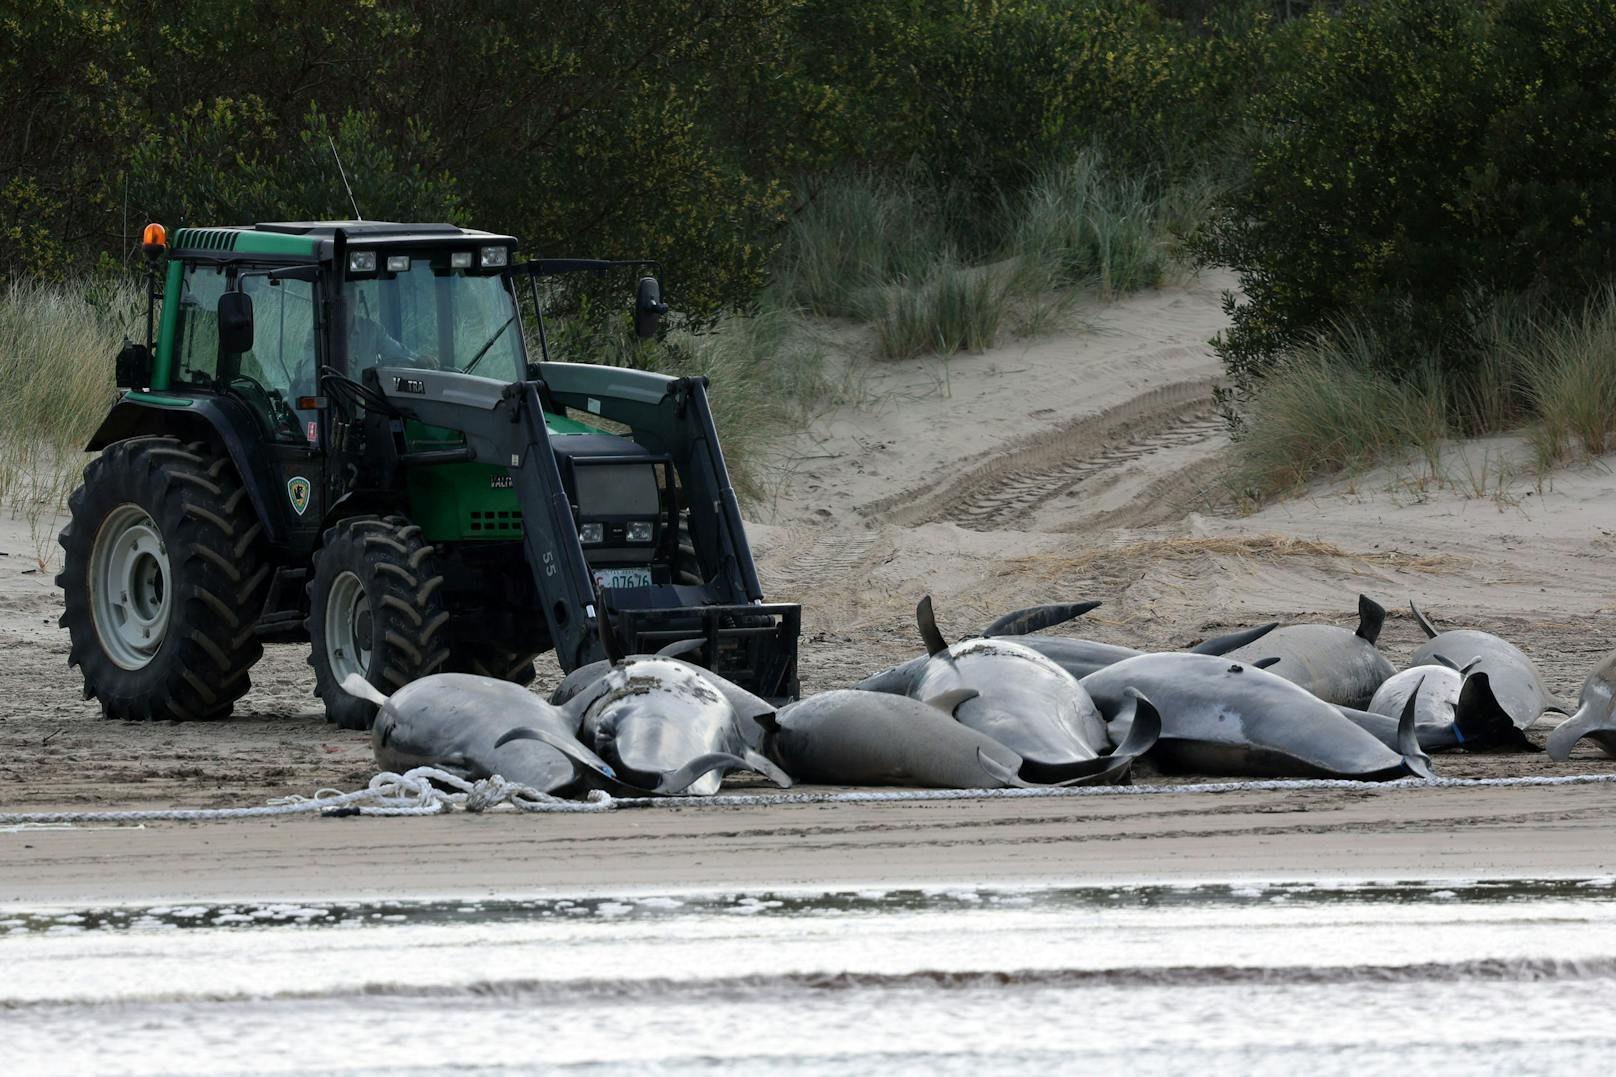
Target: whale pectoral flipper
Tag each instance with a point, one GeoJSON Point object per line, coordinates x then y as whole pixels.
{"type": "Point", "coordinates": [948, 702]}
{"type": "Point", "coordinates": [1233, 640]}
{"type": "Point", "coordinates": [1144, 728]}
{"type": "Point", "coordinates": [1037, 618]}
{"type": "Point", "coordinates": [358, 687]}
{"type": "Point", "coordinates": [1565, 736]}
{"type": "Point", "coordinates": [1408, 741]}
{"type": "Point", "coordinates": [1001, 773]}
{"type": "Point", "coordinates": [1371, 617]}
{"type": "Point", "coordinates": [567, 746]}
{"type": "Point", "coordinates": [926, 620]}
{"type": "Point", "coordinates": [765, 766]}
{"type": "Point", "coordinates": [677, 781]}
{"type": "Point", "coordinates": [1425, 623]}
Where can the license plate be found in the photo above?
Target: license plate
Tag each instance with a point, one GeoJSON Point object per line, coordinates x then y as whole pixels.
{"type": "Point", "coordinates": [623, 577]}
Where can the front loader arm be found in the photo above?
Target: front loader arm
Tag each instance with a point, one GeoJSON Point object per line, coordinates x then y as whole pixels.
{"type": "Point", "coordinates": [504, 424]}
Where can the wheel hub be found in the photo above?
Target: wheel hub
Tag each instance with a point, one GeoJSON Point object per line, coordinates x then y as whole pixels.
{"type": "Point", "coordinates": [130, 596]}
{"type": "Point", "coordinates": [347, 627]}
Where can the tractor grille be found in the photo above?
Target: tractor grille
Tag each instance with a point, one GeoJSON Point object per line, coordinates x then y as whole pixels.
{"type": "Point", "coordinates": [491, 523]}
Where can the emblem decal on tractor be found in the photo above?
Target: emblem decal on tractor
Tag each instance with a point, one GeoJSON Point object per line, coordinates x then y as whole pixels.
{"type": "Point", "coordinates": [298, 488]}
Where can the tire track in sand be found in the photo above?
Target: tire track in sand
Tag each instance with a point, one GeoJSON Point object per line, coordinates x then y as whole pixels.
{"type": "Point", "coordinates": [1014, 484]}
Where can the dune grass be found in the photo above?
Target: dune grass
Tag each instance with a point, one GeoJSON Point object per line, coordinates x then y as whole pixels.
{"type": "Point", "coordinates": [57, 345]}
{"type": "Point", "coordinates": [1347, 402]}
{"type": "Point", "coordinates": [937, 275]}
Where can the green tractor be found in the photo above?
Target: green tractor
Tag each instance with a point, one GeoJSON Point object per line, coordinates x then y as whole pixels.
{"type": "Point", "coordinates": [336, 436]}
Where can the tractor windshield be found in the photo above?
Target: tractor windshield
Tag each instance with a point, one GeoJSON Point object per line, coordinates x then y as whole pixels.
{"type": "Point", "coordinates": [436, 317]}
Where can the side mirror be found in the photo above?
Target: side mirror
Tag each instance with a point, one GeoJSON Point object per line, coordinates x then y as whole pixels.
{"type": "Point", "coordinates": [648, 308]}
{"type": "Point", "coordinates": [235, 322]}
{"type": "Point", "coordinates": [133, 367]}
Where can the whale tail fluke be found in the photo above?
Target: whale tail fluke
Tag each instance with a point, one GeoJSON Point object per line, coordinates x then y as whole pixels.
{"type": "Point", "coordinates": [1037, 618]}
{"type": "Point", "coordinates": [359, 688]}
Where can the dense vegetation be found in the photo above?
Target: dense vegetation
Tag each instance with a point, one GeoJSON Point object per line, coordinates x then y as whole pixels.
{"type": "Point", "coordinates": [1385, 175]}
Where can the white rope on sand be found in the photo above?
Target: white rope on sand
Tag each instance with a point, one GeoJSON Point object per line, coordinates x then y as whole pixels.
{"type": "Point", "coordinates": [411, 793]}
{"type": "Point", "coordinates": [414, 793]}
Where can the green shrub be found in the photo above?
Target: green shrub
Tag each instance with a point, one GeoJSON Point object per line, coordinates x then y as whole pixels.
{"type": "Point", "coordinates": [1415, 156]}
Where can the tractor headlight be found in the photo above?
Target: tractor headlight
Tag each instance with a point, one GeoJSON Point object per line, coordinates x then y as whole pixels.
{"type": "Point", "coordinates": [640, 532]}
{"type": "Point", "coordinates": [398, 263]}
{"type": "Point", "coordinates": [591, 534]}
{"type": "Point", "coordinates": [361, 261]}
{"type": "Point", "coordinates": [493, 257]}
{"type": "Point", "coordinates": [460, 260]}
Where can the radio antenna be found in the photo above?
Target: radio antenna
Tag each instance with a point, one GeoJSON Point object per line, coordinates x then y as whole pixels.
{"type": "Point", "coordinates": [343, 173]}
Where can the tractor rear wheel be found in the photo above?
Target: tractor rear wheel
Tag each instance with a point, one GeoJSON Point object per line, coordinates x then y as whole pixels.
{"type": "Point", "coordinates": [376, 610]}
{"type": "Point", "coordinates": [163, 579]}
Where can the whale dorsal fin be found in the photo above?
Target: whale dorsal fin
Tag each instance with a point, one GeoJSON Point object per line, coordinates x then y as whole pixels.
{"type": "Point", "coordinates": [949, 702]}
{"type": "Point", "coordinates": [1264, 663]}
{"type": "Point", "coordinates": [927, 622]}
{"type": "Point", "coordinates": [1425, 622]}
{"type": "Point", "coordinates": [1037, 618]}
{"type": "Point", "coordinates": [1371, 616]}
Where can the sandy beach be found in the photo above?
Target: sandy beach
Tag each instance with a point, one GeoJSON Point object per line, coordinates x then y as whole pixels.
{"type": "Point", "coordinates": [1082, 465]}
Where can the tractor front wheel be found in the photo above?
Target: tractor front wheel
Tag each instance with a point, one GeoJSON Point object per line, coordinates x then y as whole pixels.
{"type": "Point", "coordinates": [376, 610]}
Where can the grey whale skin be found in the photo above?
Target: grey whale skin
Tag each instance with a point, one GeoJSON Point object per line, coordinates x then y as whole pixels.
{"type": "Point", "coordinates": [1337, 665]}
{"type": "Point", "coordinates": [1515, 680]}
{"type": "Point", "coordinates": [1222, 717]}
{"type": "Point", "coordinates": [1595, 716]}
{"type": "Point", "coordinates": [852, 737]}
{"type": "Point", "coordinates": [655, 717]}
{"type": "Point", "coordinates": [454, 721]}
{"type": "Point", "coordinates": [586, 680]}
{"type": "Point", "coordinates": [1018, 697]}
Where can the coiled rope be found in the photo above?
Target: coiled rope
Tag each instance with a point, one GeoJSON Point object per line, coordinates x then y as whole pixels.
{"type": "Point", "coordinates": [414, 793]}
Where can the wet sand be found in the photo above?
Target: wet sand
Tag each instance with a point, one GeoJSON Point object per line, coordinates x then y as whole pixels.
{"type": "Point", "coordinates": [1460, 833]}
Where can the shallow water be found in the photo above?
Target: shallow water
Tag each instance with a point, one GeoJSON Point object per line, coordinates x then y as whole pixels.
{"type": "Point", "coordinates": [1495, 977]}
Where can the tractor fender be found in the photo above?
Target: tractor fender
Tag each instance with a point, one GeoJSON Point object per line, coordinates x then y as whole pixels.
{"type": "Point", "coordinates": [220, 420]}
